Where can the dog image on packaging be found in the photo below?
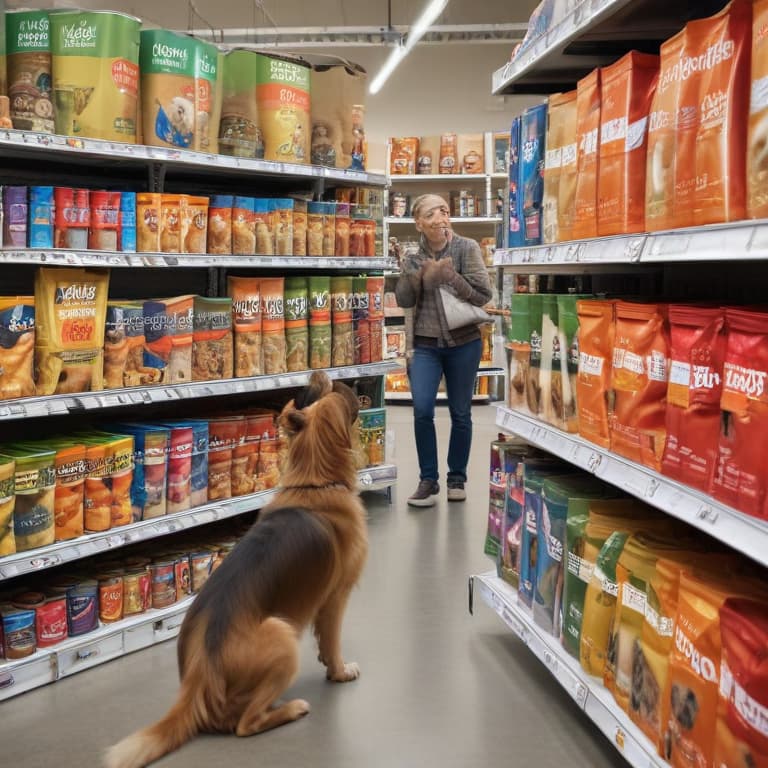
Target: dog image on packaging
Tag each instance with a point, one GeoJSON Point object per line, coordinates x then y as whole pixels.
{"type": "Point", "coordinates": [238, 649]}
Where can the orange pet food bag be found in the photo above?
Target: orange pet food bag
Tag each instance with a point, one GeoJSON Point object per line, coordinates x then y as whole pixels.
{"type": "Point", "coordinates": [639, 382]}
{"type": "Point", "coordinates": [593, 395]}
{"type": "Point", "coordinates": [588, 106]}
{"type": "Point", "coordinates": [560, 168]}
{"type": "Point", "coordinates": [757, 136]}
{"type": "Point", "coordinates": [721, 140]}
{"type": "Point", "coordinates": [627, 91]}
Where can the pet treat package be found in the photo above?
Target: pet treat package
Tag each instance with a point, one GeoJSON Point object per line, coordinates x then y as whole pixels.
{"type": "Point", "coordinates": [104, 234]}
{"type": "Point", "coordinates": [199, 463]}
{"type": "Point", "coordinates": [299, 227]}
{"type": "Point", "coordinates": [70, 489]}
{"type": "Point", "coordinates": [212, 339]}
{"type": "Point", "coordinates": [273, 324]}
{"type": "Point", "coordinates": [168, 338]}
{"type": "Point", "coordinates": [72, 218]}
{"type": "Point", "coordinates": [296, 324]}
{"type": "Point", "coordinates": [263, 227]}
{"type": "Point", "coordinates": [741, 736]}
{"type": "Point", "coordinates": [593, 390]}
{"type": "Point", "coordinates": [41, 217]}
{"type": "Point", "coordinates": [119, 450]}
{"type": "Point", "coordinates": [128, 225]}
{"type": "Point", "coordinates": [558, 495]}
{"type": "Point", "coordinates": [178, 90]}
{"type": "Point", "coordinates": [170, 223]}
{"type": "Point", "coordinates": [560, 169]}
{"type": "Point", "coordinates": [124, 347]}
{"type": "Point", "coordinates": [148, 215]}
{"type": "Point", "coordinates": [7, 502]}
{"type": "Point", "coordinates": [516, 234]}
{"type": "Point", "coordinates": [627, 91]}
{"type": "Point", "coordinates": [564, 399]}
{"type": "Point", "coordinates": [244, 225]}
{"type": "Point", "coordinates": [223, 437]}
{"type": "Point", "coordinates": [320, 322]}
{"type": "Point", "coordinates": [245, 462]}
{"type": "Point", "coordinates": [697, 352]}
{"type": "Point", "coordinates": [588, 110]}
{"type": "Point", "coordinates": [245, 293]}
{"type": "Point", "coordinates": [194, 224]}
{"type": "Point", "coordinates": [531, 182]}
{"type": "Point", "coordinates": [342, 333]}
{"type": "Point", "coordinates": [220, 224]}
{"type": "Point", "coordinates": [179, 482]}
{"type": "Point", "coordinates": [329, 229]}
{"type": "Point", "coordinates": [740, 476]}
{"type": "Point", "coordinates": [281, 211]}
{"type": "Point", "coordinates": [15, 215]}
{"type": "Point", "coordinates": [17, 346]}
{"type": "Point", "coordinates": [550, 377]}
{"type": "Point", "coordinates": [519, 346]}
{"type": "Point", "coordinates": [757, 133]}
{"type": "Point", "coordinates": [721, 135]}
{"type": "Point", "coordinates": [639, 382]}
{"type": "Point", "coordinates": [315, 213]}
{"type": "Point", "coordinates": [239, 132]}
{"type": "Point", "coordinates": [533, 381]}
{"type": "Point", "coordinates": [70, 314]}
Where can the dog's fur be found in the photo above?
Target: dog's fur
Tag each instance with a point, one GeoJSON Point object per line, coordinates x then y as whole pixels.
{"type": "Point", "coordinates": [238, 648]}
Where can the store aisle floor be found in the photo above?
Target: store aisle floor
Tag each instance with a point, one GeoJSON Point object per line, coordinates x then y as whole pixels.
{"type": "Point", "coordinates": [438, 687]}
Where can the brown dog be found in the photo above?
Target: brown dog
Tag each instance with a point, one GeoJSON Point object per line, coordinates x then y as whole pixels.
{"type": "Point", "coordinates": [238, 648]}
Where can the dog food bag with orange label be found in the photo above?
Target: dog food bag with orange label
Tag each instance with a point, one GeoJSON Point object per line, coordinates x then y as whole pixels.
{"type": "Point", "coordinates": [560, 169]}
{"type": "Point", "coordinates": [742, 463]}
{"type": "Point", "coordinates": [639, 382]}
{"type": "Point", "coordinates": [222, 440]}
{"type": "Point", "coordinates": [70, 490]}
{"type": "Point", "coordinates": [721, 138]}
{"type": "Point", "coordinates": [70, 314]}
{"type": "Point", "coordinates": [594, 397]}
{"type": "Point", "coordinates": [588, 111]}
{"type": "Point", "coordinates": [148, 216]}
{"type": "Point", "coordinates": [120, 472]}
{"type": "Point", "coordinates": [170, 223]}
{"type": "Point", "coordinates": [662, 126]}
{"type": "Point", "coordinates": [757, 137]}
{"type": "Point", "coordinates": [273, 324]}
{"type": "Point", "coordinates": [697, 351]}
{"type": "Point", "coordinates": [194, 224]}
{"type": "Point", "coordinates": [244, 225]}
{"type": "Point", "coordinates": [220, 224]}
{"type": "Point", "coordinates": [97, 499]}
{"type": "Point", "coordinates": [245, 293]}
{"type": "Point", "coordinates": [741, 737]}
{"type": "Point", "coordinates": [17, 346]}
{"type": "Point", "coordinates": [263, 227]}
{"type": "Point", "coordinates": [627, 91]}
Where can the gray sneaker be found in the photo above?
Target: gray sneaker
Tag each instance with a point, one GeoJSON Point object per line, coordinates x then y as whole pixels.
{"type": "Point", "coordinates": [456, 491]}
{"type": "Point", "coordinates": [425, 495]}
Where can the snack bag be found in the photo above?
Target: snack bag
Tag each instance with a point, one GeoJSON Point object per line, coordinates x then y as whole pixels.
{"type": "Point", "coordinates": [17, 346]}
{"type": "Point", "coordinates": [246, 320]}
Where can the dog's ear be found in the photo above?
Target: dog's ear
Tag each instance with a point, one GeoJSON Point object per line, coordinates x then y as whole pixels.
{"type": "Point", "coordinates": [319, 386]}
{"type": "Point", "coordinates": [350, 398]}
{"type": "Point", "coordinates": [292, 420]}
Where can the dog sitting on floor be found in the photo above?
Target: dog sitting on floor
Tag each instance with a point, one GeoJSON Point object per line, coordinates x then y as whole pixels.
{"type": "Point", "coordinates": [238, 649]}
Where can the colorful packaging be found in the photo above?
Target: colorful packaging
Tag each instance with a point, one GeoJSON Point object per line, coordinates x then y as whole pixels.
{"type": "Point", "coordinates": [220, 224]}
{"type": "Point", "coordinates": [105, 221]}
{"type": "Point", "coordinates": [320, 335]}
{"type": "Point", "coordinates": [148, 217]}
{"type": "Point", "coordinates": [199, 464]}
{"type": "Point", "coordinates": [516, 232]}
{"type": "Point", "coordinates": [721, 135]}
{"type": "Point", "coordinates": [565, 406]}
{"type": "Point", "coordinates": [41, 216]}
{"type": "Point", "coordinates": [239, 132]}
{"type": "Point", "coordinates": [263, 227]}
{"type": "Point", "coordinates": [550, 371]}
{"type": "Point", "coordinates": [15, 215]}
{"type": "Point", "coordinates": [315, 219]}
{"type": "Point", "coordinates": [179, 488]}
{"type": "Point", "coordinates": [17, 632]}
{"type": "Point", "coordinates": [519, 346]}
{"type": "Point", "coordinates": [128, 225]}
{"type": "Point", "coordinates": [70, 489]}
{"type": "Point", "coordinates": [7, 503]}
{"type": "Point", "coordinates": [268, 475]}
{"type": "Point", "coordinates": [194, 224]}
{"type": "Point", "coordinates": [757, 132]}
{"type": "Point", "coordinates": [500, 450]}
{"type": "Point", "coordinates": [97, 500]}
{"type": "Point", "coordinates": [740, 472]}
{"type": "Point", "coordinates": [560, 169]}
{"type": "Point", "coordinates": [296, 324]}
{"type": "Point", "coordinates": [212, 342]}
{"type": "Point", "coordinates": [223, 438]}
{"type": "Point", "coordinates": [170, 223]}
{"type": "Point", "coordinates": [593, 391]}
{"type": "Point", "coordinates": [588, 120]}
{"type": "Point", "coordinates": [245, 293]}
{"type": "Point", "coordinates": [627, 91]}
{"type": "Point", "coordinates": [342, 234]}
{"type": "Point", "coordinates": [299, 227]}
{"type": "Point", "coordinates": [342, 334]}
{"type": "Point", "coordinates": [532, 155]}
{"type": "Point", "coordinates": [697, 351]}
{"type": "Point", "coordinates": [51, 621]}
{"type": "Point", "coordinates": [124, 347]}
{"type": "Point", "coordinates": [281, 210]}
{"type": "Point", "coordinates": [71, 307]}
{"type": "Point", "coordinates": [639, 382]}
{"type": "Point", "coordinates": [168, 333]}
{"type": "Point", "coordinates": [273, 324]}
{"type": "Point", "coordinates": [72, 219]}
{"type": "Point", "coordinates": [244, 225]}
{"type": "Point", "coordinates": [17, 350]}
{"type": "Point", "coordinates": [110, 596]}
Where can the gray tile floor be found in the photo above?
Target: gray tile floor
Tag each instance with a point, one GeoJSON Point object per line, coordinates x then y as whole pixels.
{"type": "Point", "coordinates": [438, 687]}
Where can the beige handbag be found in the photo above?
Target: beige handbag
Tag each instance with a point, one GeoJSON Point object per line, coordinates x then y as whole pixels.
{"type": "Point", "coordinates": [460, 313]}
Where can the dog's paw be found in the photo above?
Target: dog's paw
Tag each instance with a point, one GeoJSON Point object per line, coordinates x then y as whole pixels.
{"type": "Point", "coordinates": [346, 674]}
{"type": "Point", "coordinates": [299, 708]}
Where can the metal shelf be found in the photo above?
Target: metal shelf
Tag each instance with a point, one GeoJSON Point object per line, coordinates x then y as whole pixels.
{"type": "Point", "coordinates": [588, 692]}
{"type": "Point", "coordinates": [68, 258]}
{"type": "Point", "coordinates": [742, 532]}
{"type": "Point", "coordinates": [29, 145]}
{"type": "Point", "coordinates": [62, 405]}
{"type": "Point", "coordinates": [594, 33]}
{"type": "Point", "coordinates": [36, 560]}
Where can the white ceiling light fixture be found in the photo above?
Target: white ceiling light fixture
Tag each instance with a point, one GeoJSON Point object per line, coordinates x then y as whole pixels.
{"type": "Point", "coordinates": [415, 33]}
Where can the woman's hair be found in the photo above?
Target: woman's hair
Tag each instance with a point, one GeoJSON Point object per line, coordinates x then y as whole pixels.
{"type": "Point", "coordinates": [424, 203]}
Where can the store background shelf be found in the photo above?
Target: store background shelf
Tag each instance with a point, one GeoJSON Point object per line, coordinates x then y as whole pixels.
{"type": "Point", "coordinates": [745, 534]}
{"type": "Point", "coordinates": [454, 220]}
{"type": "Point", "coordinates": [588, 692]}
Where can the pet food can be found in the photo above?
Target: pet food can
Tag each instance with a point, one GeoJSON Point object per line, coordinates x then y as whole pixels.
{"type": "Point", "coordinates": [111, 596]}
{"type": "Point", "coordinates": [28, 48]}
{"type": "Point", "coordinates": [182, 576]}
{"type": "Point", "coordinates": [51, 621]}
{"type": "Point", "coordinates": [200, 564]}
{"type": "Point", "coordinates": [18, 632]}
{"type": "Point", "coordinates": [95, 65]}
{"type": "Point", "coordinates": [135, 582]}
{"type": "Point", "coordinates": [82, 607]}
{"type": "Point", "coordinates": [72, 218]}
{"type": "Point", "coordinates": [283, 96]}
{"type": "Point", "coordinates": [178, 83]}
{"type": "Point", "coordinates": [163, 582]}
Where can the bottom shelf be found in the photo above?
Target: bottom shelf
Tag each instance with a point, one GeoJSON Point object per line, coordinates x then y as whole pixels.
{"type": "Point", "coordinates": [586, 691]}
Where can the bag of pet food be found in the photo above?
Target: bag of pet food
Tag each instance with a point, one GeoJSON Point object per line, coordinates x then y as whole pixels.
{"type": "Point", "coordinates": [627, 91]}
{"type": "Point", "coordinates": [194, 223]}
{"type": "Point", "coordinates": [740, 472]}
{"type": "Point", "coordinates": [244, 225]}
{"type": "Point", "coordinates": [124, 347]}
{"type": "Point", "coordinates": [519, 346]}
{"type": "Point", "coordinates": [118, 473]}
{"type": "Point", "coordinates": [239, 133]}
{"type": "Point", "coordinates": [264, 227]}
{"type": "Point", "coordinates": [320, 335]}
{"type": "Point", "coordinates": [550, 374]}
{"type": "Point", "coordinates": [281, 211]}
{"type": "Point", "coordinates": [199, 464]}
{"type": "Point", "coordinates": [179, 483]}
{"type": "Point", "coordinates": [375, 290]}
{"type": "Point", "coordinates": [7, 503]}
{"type": "Point", "coordinates": [342, 333]}
{"type": "Point", "coordinates": [223, 437]}
{"type": "Point", "coordinates": [70, 314]}
{"type": "Point", "coordinates": [296, 323]}
{"type": "Point", "coordinates": [721, 135]}
{"type": "Point", "coordinates": [220, 224]}
{"type": "Point", "coordinates": [531, 182]}
{"type": "Point", "coordinates": [212, 339]}
{"type": "Point", "coordinates": [593, 390]}
{"type": "Point", "coordinates": [516, 234]}
{"type": "Point", "coordinates": [560, 168]}
{"type": "Point", "coordinates": [273, 324]}
{"type": "Point", "coordinates": [299, 227]}
{"type": "Point", "coordinates": [757, 136]}
{"type": "Point", "coordinates": [268, 472]}
{"type": "Point", "coordinates": [697, 350]}
{"type": "Point", "coordinates": [17, 346]}
{"type": "Point", "coordinates": [505, 455]}
{"type": "Point", "coordinates": [588, 110]}
{"type": "Point", "coordinates": [70, 489]}
{"type": "Point", "coordinates": [741, 737]}
{"type": "Point", "coordinates": [170, 223]}
{"type": "Point", "coordinates": [245, 293]}
{"type": "Point", "coordinates": [148, 217]}
{"type": "Point", "coordinates": [559, 494]}
{"type": "Point", "coordinates": [639, 382]}
{"type": "Point", "coordinates": [168, 338]}
{"type": "Point", "coordinates": [564, 398]}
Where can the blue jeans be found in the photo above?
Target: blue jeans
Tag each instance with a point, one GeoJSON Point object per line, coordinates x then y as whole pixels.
{"type": "Point", "coordinates": [459, 366]}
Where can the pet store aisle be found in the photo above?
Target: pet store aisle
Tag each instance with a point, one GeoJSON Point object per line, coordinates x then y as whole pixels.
{"type": "Point", "coordinates": [438, 687]}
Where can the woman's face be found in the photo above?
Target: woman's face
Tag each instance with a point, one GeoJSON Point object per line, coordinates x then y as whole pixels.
{"type": "Point", "coordinates": [435, 224]}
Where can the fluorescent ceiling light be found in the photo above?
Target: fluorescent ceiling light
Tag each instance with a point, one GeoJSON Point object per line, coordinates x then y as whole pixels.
{"type": "Point", "coordinates": [415, 33]}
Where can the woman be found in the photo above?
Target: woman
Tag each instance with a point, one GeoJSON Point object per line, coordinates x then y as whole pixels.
{"type": "Point", "coordinates": [443, 258]}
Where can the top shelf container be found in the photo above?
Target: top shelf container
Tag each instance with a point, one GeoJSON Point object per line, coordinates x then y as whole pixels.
{"type": "Point", "coordinates": [592, 34]}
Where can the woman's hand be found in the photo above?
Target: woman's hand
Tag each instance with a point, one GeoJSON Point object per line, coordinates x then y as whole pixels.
{"type": "Point", "coordinates": [431, 274]}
